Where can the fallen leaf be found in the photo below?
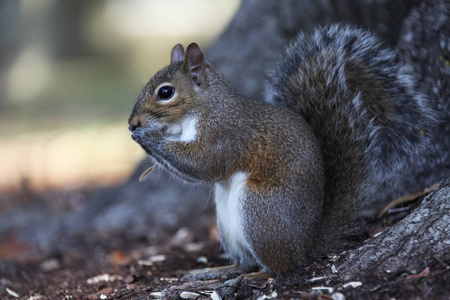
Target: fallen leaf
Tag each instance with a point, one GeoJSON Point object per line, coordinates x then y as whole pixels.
{"type": "Point", "coordinates": [118, 258]}
{"type": "Point", "coordinates": [415, 277]}
{"type": "Point", "coordinates": [13, 249]}
{"type": "Point", "coordinates": [374, 231]}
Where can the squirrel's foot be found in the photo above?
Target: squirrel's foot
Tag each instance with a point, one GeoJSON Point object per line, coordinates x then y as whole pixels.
{"type": "Point", "coordinates": [225, 272]}
{"type": "Point", "coordinates": [254, 277]}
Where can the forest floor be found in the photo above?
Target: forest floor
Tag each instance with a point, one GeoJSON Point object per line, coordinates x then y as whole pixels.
{"type": "Point", "coordinates": [113, 265]}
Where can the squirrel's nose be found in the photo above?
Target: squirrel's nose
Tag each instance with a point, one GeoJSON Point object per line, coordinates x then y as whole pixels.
{"type": "Point", "coordinates": [134, 122]}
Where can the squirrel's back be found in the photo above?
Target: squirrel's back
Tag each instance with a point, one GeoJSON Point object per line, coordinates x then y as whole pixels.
{"type": "Point", "coordinates": [362, 105]}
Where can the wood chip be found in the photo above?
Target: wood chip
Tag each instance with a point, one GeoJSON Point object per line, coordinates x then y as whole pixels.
{"type": "Point", "coordinates": [323, 288]}
{"type": "Point", "coordinates": [338, 296]}
{"type": "Point", "coordinates": [169, 279]}
{"type": "Point", "coordinates": [353, 284]}
{"type": "Point", "coordinates": [193, 247]}
{"type": "Point", "coordinates": [36, 297]}
{"type": "Point", "coordinates": [318, 278]}
{"type": "Point", "coordinates": [271, 296]}
{"type": "Point", "coordinates": [215, 296]}
{"type": "Point", "coordinates": [334, 269]}
{"type": "Point", "coordinates": [131, 278]}
{"type": "Point", "coordinates": [12, 293]}
{"type": "Point", "coordinates": [158, 258]}
{"type": "Point", "coordinates": [106, 290]}
{"type": "Point", "coordinates": [202, 260]}
{"type": "Point", "coordinates": [102, 277]}
{"type": "Point", "coordinates": [50, 265]}
{"type": "Point", "coordinates": [189, 295]}
{"type": "Point", "coordinates": [147, 263]}
{"type": "Point", "coordinates": [156, 295]}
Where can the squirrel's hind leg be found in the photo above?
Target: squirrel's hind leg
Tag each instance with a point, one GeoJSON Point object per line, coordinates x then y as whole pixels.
{"type": "Point", "coordinates": [225, 272]}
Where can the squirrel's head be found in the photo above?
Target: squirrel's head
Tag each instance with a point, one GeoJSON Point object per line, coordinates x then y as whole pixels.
{"type": "Point", "coordinates": [171, 95]}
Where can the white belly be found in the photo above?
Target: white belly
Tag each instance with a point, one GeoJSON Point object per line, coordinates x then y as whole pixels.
{"type": "Point", "coordinates": [229, 195]}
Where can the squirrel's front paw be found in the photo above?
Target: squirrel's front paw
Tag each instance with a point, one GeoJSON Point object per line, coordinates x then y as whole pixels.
{"type": "Point", "coordinates": [136, 135]}
{"type": "Point", "coordinates": [146, 136]}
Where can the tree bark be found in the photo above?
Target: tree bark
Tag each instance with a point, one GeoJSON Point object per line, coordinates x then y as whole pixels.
{"type": "Point", "coordinates": [408, 245]}
{"type": "Point", "coordinates": [424, 44]}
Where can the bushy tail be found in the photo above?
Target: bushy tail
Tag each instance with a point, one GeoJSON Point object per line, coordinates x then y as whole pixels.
{"type": "Point", "coordinates": [362, 104]}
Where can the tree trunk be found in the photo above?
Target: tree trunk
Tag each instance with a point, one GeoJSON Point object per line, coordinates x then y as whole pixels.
{"type": "Point", "coordinates": [261, 29]}
{"type": "Point", "coordinates": [408, 245]}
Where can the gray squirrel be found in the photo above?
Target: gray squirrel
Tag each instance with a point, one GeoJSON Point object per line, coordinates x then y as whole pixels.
{"type": "Point", "coordinates": [297, 176]}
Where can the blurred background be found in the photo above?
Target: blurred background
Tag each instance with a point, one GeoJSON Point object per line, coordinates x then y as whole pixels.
{"type": "Point", "coordinates": [70, 72]}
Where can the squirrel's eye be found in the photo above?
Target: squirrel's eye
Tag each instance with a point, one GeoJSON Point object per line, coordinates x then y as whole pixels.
{"type": "Point", "coordinates": [166, 92]}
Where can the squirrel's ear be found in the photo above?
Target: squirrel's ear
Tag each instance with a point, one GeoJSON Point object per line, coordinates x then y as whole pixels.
{"type": "Point", "coordinates": [177, 54]}
{"type": "Point", "coordinates": [194, 62]}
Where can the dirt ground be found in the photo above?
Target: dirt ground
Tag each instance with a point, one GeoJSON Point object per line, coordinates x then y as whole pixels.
{"type": "Point", "coordinates": [113, 265]}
